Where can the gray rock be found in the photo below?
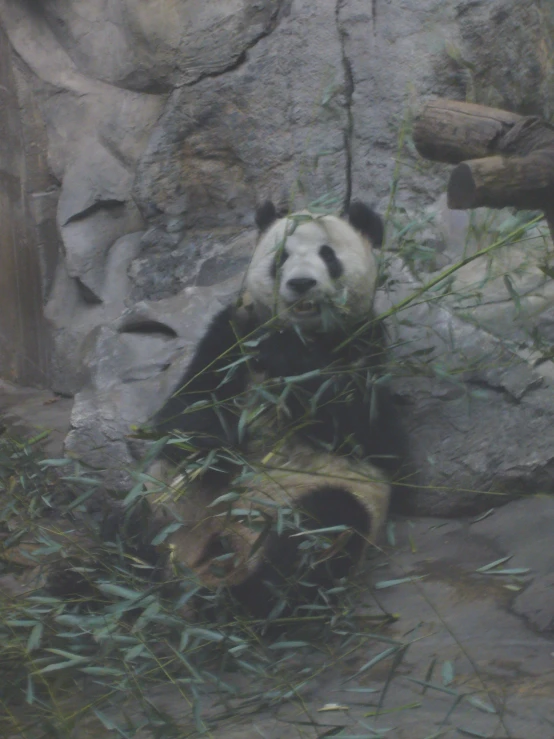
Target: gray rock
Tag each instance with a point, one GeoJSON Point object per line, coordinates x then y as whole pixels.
{"type": "Point", "coordinates": [491, 36]}
{"type": "Point", "coordinates": [481, 419]}
{"type": "Point", "coordinates": [77, 111]}
{"type": "Point", "coordinates": [167, 263]}
{"type": "Point", "coordinates": [524, 531]}
{"type": "Point", "coordinates": [536, 603]}
{"type": "Point", "coordinates": [131, 367]}
{"type": "Point", "coordinates": [401, 53]}
{"type": "Point", "coordinates": [69, 297]}
{"type": "Point", "coordinates": [94, 180]}
{"type": "Point", "coordinates": [94, 210]}
{"type": "Point", "coordinates": [87, 243]}
{"type": "Point", "coordinates": [261, 130]}
{"type": "Point", "coordinates": [149, 48]}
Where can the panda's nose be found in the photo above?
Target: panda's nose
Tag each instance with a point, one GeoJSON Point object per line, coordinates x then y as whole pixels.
{"type": "Point", "coordinates": [301, 285]}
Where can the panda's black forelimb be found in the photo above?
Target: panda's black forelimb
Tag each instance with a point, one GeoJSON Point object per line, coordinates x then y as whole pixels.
{"type": "Point", "coordinates": [206, 382]}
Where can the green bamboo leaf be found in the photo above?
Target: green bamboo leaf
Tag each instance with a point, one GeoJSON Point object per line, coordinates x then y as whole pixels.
{"type": "Point", "coordinates": [496, 562]}
{"type": "Point", "coordinates": [55, 462]}
{"type": "Point", "coordinates": [165, 532]}
{"type": "Point", "coordinates": [547, 270]}
{"type": "Point", "coordinates": [374, 661]}
{"type": "Point", "coordinates": [111, 725]}
{"type": "Point", "coordinates": [147, 615]}
{"type": "Point", "coordinates": [120, 592]}
{"type": "Point", "coordinates": [447, 673]}
{"type": "Point", "coordinates": [30, 692]}
{"type": "Point", "coordinates": [226, 498]}
{"type": "Point", "coordinates": [65, 653]}
{"type": "Point", "coordinates": [510, 571]}
{"type": "Point", "coordinates": [400, 581]}
{"type": "Point", "coordinates": [61, 665]}
{"type": "Point", "coordinates": [135, 492]}
{"type": "Point", "coordinates": [134, 652]}
{"type": "Point", "coordinates": [35, 637]}
{"type": "Point", "coordinates": [206, 634]}
{"type": "Point", "coordinates": [98, 671]}
{"type": "Point", "coordinates": [289, 645]}
{"type": "Point", "coordinates": [480, 704]}
{"type": "Point", "coordinates": [472, 732]}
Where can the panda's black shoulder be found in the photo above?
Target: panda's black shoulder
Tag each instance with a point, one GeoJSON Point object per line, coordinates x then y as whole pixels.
{"type": "Point", "coordinates": [219, 336]}
{"type": "Point", "coordinates": [224, 335]}
{"type": "Point", "coordinates": [207, 386]}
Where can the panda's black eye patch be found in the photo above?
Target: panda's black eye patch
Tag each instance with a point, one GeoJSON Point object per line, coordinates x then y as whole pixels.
{"type": "Point", "coordinates": [280, 258]}
{"type": "Point", "coordinates": [327, 253]}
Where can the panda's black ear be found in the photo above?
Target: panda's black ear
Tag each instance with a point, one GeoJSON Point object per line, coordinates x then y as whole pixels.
{"type": "Point", "coordinates": [266, 214]}
{"type": "Point", "coordinates": [365, 220]}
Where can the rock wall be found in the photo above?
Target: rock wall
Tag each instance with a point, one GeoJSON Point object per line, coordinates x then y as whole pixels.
{"type": "Point", "coordinates": [141, 136]}
{"type": "Point", "coordinates": [27, 238]}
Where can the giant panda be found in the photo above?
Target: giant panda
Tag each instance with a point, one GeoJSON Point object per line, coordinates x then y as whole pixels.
{"type": "Point", "coordinates": [282, 424]}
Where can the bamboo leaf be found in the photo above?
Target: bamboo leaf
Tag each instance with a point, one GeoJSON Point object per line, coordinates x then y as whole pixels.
{"type": "Point", "coordinates": [35, 637]}
{"type": "Point", "coordinates": [400, 581]}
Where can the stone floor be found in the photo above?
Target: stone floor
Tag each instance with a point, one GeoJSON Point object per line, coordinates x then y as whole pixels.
{"type": "Point", "coordinates": [28, 411]}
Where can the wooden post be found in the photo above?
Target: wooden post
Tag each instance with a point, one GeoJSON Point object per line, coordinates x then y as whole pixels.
{"type": "Point", "coordinates": [503, 159]}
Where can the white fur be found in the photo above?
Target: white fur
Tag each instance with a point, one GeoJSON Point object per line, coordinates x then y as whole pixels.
{"type": "Point", "coordinates": [352, 293]}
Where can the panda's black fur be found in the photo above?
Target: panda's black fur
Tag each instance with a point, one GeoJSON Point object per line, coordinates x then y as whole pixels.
{"type": "Point", "coordinates": [349, 420]}
{"type": "Point", "coordinates": [280, 354]}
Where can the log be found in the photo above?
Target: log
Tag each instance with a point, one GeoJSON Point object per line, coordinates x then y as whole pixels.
{"type": "Point", "coordinates": [451, 131]}
{"type": "Point", "coordinates": [500, 181]}
{"type": "Point", "coordinates": [503, 159]}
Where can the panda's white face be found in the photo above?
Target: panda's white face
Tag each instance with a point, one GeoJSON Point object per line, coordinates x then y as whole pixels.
{"type": "Point", "coordinates": [307, 268]}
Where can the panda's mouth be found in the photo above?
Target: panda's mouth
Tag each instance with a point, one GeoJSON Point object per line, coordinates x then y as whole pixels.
{"type": "Point", "coordinates": [305, 309]}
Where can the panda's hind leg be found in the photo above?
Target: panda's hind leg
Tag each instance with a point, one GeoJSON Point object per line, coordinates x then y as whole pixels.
{"type": "Point", "coordinates": [334, 507]}
{"type": "Point", "coordinates": [322, 544]}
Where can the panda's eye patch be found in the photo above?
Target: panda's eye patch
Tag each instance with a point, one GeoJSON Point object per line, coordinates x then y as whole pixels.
{"type": "Point", "coordinates": [280, 258]}
{"type": "Point", "coordinates": [327, 253]}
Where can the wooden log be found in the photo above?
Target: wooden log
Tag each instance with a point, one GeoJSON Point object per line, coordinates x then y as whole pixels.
{"type": "Point", "coordinates": [452, 131]}
{"type": "Point", "coordinates": [503, 159]}
{"type": "Point", "coordinates": [527, 135]}
{"type": "Point", "coordinates": [500, 181]}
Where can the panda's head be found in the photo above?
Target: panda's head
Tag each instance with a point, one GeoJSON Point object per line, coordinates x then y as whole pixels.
{"type": "Point", "coordinates": [309, 269]}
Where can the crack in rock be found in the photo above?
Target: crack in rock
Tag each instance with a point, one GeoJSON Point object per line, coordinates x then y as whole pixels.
{"type": "Point", "coordinates": [348, 94]}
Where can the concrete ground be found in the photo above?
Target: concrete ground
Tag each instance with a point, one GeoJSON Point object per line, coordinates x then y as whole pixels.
{"type": "Point", "coordinates": [27, 411]}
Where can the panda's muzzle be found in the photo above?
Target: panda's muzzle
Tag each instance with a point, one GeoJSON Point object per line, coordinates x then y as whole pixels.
{"type": "Point", "coordinates": [301, 285]}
